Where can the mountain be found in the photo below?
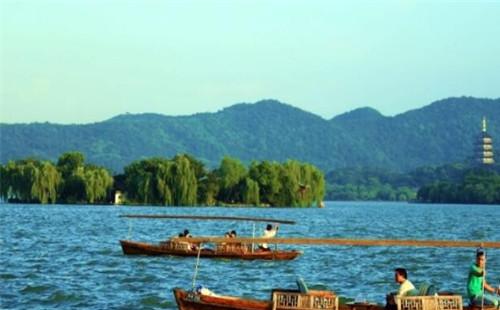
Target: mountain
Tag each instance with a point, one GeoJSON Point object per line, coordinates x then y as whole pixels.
{"type": "Point", "coordinates": [442, 132]}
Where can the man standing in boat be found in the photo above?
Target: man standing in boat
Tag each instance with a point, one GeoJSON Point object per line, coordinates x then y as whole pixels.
{"type": "Point", "coordinates": [477, 285]}
{"type": "Point", "coordinates": [270, 232]}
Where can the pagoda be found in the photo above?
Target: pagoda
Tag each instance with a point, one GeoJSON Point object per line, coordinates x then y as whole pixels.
{"type": "Point", "coordinates": [484, 147]}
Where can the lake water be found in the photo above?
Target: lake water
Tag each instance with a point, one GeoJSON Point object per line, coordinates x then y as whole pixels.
{"type": "Point", "coordinates": [69, 256]}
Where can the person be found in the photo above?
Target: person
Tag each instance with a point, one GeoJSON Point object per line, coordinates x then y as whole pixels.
{"type": "Point", "coordinates": [401, 277]}
{"type": "Point", "coordinates": [232, 234]}
{"type": "Point", "coordinates": [476, 281]}
{"type": "Point", "coordinates": [187, 234]}
{"type": "Point", "coordinates": [405, 287]}
{"type": "Point", "coordinates": [270, 232]}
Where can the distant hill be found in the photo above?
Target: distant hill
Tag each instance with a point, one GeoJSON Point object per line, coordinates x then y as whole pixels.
{"type": "Point", "coordinates": [439, 133]}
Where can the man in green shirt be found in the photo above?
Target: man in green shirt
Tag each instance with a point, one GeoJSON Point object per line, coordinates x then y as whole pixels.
{"type": "Point", "coordinates": [477, 275]}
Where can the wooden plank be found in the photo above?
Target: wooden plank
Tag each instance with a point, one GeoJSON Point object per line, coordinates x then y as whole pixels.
{"type": "Point", "coordinates": [350, 242]}
{"type": "Point", "coordinates": [204, 217]}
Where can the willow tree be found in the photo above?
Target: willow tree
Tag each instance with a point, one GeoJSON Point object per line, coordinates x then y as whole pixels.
{"type": "Point", "coordinates": [97, 182]}
{"type": "Point", "coordinates": [4, 183]}
{"type": "Point", "coordinates": [71, 165]}
{"type": "Point", "coordinates": [208, 189]}
{"type": "Point", "coordinates": [267, 175]}
{"type": "Point", "coordinates": [45, 181]}
{"type": "Point", "coordinates": [21, 175]}
{"type": "Point", "coordinates": [149, 181]}
{"type": "Point", "coordinates": [230, 173]}
{"type": "Point", "coordinates": [30, 180]}
{"type": "Point", "coordinates": [251, 192]}
{"type": "Point", "coordinates": [184, 185]}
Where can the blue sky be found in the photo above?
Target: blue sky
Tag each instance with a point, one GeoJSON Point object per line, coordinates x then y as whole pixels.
{"type": "Point", "coordinates": [80, 61]}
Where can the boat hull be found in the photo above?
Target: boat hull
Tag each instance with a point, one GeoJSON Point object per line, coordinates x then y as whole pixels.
{"type": "Point", "coordinates": [141, 248]}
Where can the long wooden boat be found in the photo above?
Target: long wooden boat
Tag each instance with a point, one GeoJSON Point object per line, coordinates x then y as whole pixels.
{"type": "Point", "coordinates": [230, 251]}
{"type": "Point", "coordinates": [313, 300]}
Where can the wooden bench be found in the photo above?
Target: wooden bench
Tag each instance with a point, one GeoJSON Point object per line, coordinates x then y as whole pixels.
{"type": "Point", "coordinates": [436, 302]}
{"type": "Point", "coordinates": [293, 299]}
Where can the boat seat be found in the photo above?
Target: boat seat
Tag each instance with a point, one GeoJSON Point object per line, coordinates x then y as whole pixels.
{"type": "Point", "coordinates": [435, 302]}
{"type": "Point", "coordinates": [302, 286]}
{"type": "Point", "coordinates": [426, 289]}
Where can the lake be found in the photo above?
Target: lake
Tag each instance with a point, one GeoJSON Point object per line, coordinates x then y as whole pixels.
{"type": "Point", "coordinates": [70, 257]}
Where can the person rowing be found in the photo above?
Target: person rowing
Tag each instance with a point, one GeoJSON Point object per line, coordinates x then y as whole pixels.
{"type": "Point", "coordinates": [270, 232]}
{"type": "Point", "coordinates": [477, 285]}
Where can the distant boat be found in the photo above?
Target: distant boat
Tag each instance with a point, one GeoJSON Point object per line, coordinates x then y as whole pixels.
{"type": "Point", "coordinates": [185, 248]}
{"type": "Point", "coordinates": [221, 251]}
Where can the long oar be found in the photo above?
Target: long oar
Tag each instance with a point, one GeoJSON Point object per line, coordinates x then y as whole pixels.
{"type": "Point", "coordinates": [349, 242]}
{"type": "Point", "coordinates": [484, 281]}
{"type": "Point", "coordinates": [208, 217]}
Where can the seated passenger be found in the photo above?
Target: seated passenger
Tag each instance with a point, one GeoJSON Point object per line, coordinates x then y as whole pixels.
{"type": "Point", "coordinates": [401, 277]}
{"type": "Point", "coordinates": [232, 234]}
{"type": "Point", "coordinates": [406, 287]}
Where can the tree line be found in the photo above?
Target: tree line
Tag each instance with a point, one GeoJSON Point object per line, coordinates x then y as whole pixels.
{"type": "Point", "coordinates": [478, 185]}
{"type": "Point", "coordinates": [181, 181]}
{"type": "Point", "coordinates": [451, 183]}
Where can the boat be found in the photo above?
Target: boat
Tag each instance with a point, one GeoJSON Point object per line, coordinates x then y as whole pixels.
{"type": "Point", "coordinates": [312, 300]}
{"type": "Point", "coordinates": [281, 299]}
{"type": "Point", "coordinates": [228, 249]}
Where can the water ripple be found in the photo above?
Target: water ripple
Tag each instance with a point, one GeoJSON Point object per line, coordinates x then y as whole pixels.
{"type": "Point", "coordinates": [69, 256]}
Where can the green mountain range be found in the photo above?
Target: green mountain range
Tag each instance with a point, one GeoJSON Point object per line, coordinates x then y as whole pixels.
{"type": "Point", "coordinates": [444, 131]}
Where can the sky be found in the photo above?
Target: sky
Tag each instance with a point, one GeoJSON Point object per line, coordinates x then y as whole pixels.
{"type": "Point", "coordinates": [81, 61]}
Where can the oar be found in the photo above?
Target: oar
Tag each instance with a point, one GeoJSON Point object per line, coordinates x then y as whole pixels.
{"type": "Point", "coordinates": [205, 217]}
{"type": "Point", "coordinates": [349, 242]}
{"type": "Point", "coordinates": [484, 280]}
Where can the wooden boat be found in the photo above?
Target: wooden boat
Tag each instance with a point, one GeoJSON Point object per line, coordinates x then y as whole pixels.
{"type": "Point", "coordinates": [311, 300]}
{"type": "Point", "coordinates": [226, 249]}
{"type": "Point", "coordinates": [220, 251]}
{"type": "Point", "coordinates": [280, 300]}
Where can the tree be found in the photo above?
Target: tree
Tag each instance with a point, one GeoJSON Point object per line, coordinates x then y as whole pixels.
{"type": "Point", "coordinates": [251, 192]}
{"type": "Point", "coordinates": [97, 182]}
{"type": "Point", "coordinates": [46, 180]}
{"type": "Point", "coordinates": [230, 173]}
{"type": "Point", "coordinates": [184, 184]}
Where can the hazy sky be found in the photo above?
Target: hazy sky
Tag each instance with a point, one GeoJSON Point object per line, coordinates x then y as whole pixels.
{"type": "Point", "coordinates": [79, 61]}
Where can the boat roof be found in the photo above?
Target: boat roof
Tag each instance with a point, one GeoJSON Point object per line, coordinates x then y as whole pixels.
{"type": "Point", "coordinates": [208, 217]}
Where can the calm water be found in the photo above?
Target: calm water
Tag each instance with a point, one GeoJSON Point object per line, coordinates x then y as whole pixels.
{"type": "Point", "coordinates": [69, 256]}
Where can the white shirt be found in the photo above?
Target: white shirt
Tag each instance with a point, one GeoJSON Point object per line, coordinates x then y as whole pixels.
{"type": "Point", "coordinates": [269, 234]}
{"type": "Point", "coordinates": [405, 287]}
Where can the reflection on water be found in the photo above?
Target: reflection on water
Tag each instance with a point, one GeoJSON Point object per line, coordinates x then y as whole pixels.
{"type": "Point", "coordinates": [69, 256]}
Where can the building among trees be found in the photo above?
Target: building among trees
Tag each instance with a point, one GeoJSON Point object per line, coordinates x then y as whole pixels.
{"type": "Point", "coordinates": [484, 147]}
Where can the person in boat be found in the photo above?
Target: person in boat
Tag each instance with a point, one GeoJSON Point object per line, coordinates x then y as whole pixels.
{"type": "Point", "coordinates": [477, 281]}
{"type": "Point", "coordinates": [270, 232]}
{"type": "Point", "coordinates": [186, 234]}
{"type": "Point", "coordinates": [405, 288]}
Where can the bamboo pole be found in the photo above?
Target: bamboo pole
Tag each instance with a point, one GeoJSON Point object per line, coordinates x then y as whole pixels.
{"type": "Point", "coordinates": [204, 217]}
{"type": "Point", "coordinates": [349, 242]}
